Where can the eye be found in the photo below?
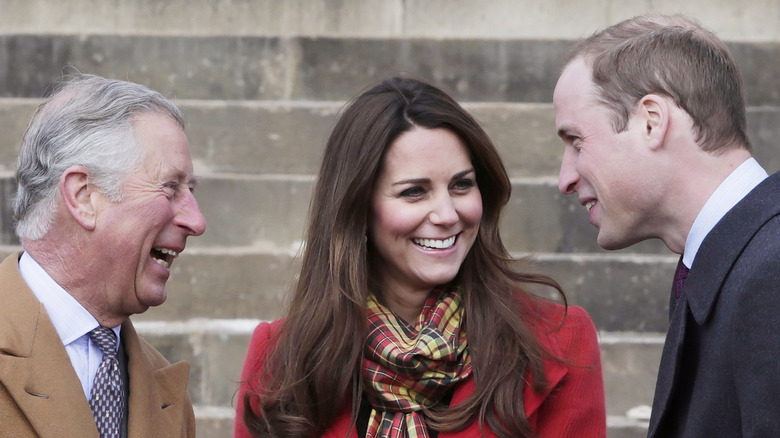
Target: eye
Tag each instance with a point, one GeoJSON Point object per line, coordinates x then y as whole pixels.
{"type": "Point", "coordinates": [574, 141]}
{"type": "Point", "coordinates": [463, 184]}
{"type": "Point", "coordinates": [413, 192]}
{"type": "Point", "coordinates": [171, 189]}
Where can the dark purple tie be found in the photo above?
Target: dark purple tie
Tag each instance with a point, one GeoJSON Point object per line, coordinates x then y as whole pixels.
{"type": "Point", "coordinates": [679, 280]}
{"type": "Point", "coordinates": [106, 397]}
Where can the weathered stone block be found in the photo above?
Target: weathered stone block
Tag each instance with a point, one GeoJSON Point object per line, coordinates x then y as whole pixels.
{"type": "Point", "coordinates": [621, 293]}
{"type": "Point", "coordinates": [258, 137]}
{"type": "Point", "coordinates": [227, 284]}
{"type": "Point", "coordinates": [250, 211]}
{"type": "Point", "coordinates": [269, 68]}
{"type": "Point", "coordinates": [265, 137]}
{"type": "Point", "coordinates": [630, 363]}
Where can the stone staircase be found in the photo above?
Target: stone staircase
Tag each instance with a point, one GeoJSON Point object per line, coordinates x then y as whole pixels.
{"type": "Point", "coordinates": [261, 83]}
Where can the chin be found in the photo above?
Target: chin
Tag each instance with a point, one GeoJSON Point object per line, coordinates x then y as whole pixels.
{"type": "Point", "coordinates": [152, 299]}
{"type": "Point", "coordinates": [610, 244]}
{"type": "Point", "coordinates": [439, 280]}
{"type": "Point", "coordinates": [613, 242]}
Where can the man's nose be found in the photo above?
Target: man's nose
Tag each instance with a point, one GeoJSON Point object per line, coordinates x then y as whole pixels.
{"type": "Point", "coordinates": [568, 177]}
{"type": "Point", "coordinates": [190, 217]}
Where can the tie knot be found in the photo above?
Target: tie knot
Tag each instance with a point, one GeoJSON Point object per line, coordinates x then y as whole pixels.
{"type": "Point", "coordinates": [679, 280]}
{"type": "Point", "coordinates": [105, 339]}
{"type": "Point", "coordinates": [682, 273]}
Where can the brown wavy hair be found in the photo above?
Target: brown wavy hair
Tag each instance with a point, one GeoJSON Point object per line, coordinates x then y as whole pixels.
{"type": "Point", "coordinates": [315, 367]}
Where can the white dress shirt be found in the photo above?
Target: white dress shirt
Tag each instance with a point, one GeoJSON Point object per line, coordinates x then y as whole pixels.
{"type": "Point", "coordinates": [739, 183]}
{"type": "Point", "coordinates": [71, 320]}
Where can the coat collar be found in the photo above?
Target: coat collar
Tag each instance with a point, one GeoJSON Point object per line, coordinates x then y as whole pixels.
{"type": "Point", "coordinates": [157, 390]}
{"type": "Point", "coordinates": [34, 366]}
{"type": "Point", "coordinates": [36, 371]}
{"type": "Point", "coordinates": [722, 246]}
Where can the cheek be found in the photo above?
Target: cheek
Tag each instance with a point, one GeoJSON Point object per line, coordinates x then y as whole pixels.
{"type": "Point", "coordinates": [470, 210]}
{"type": "Point", "coordinates": [393, 221]}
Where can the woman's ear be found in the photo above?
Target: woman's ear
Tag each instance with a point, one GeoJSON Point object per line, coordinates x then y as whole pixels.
{"type": "Point", "coordinates": [654, 113]}
{"type": "Point", "coordinates": [77, 193]}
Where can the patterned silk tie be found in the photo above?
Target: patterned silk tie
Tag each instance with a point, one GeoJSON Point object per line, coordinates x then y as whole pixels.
{"type": "Point", "coordinates": [106, 397]}
{"type": "Point", "coordinates": [679, 280]}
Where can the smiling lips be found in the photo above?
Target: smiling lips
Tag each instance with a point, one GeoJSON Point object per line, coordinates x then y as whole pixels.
{"type": "Point", "coordinates": [435, 243]}
{"type": "Point", "coordinates": [164, 256]}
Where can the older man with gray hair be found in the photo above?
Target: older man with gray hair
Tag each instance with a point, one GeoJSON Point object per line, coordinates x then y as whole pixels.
{"type": "Point", "coordinates": [104, 206]}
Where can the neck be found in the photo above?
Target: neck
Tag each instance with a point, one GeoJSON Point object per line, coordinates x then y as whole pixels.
{"type": "Point", "coordinates": [693, 187]}
{"type": "Point", "coordinates": [62, 262]}
{"type": "Point", "coordinates": [407, 304]}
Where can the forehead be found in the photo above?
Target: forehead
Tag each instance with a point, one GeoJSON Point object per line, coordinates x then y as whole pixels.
{"type": "Point", "coordinates": [575, 85]}
{"type": "Point", "coordinates": [165, 145]}
{"type": "Point", "coordinates": [423, 149]}
{"type": "Point", "coordinates": [575, 95]}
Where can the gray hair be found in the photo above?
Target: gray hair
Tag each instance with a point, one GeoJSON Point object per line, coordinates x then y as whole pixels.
{"type": "Point", "coordinates": [88, 121]}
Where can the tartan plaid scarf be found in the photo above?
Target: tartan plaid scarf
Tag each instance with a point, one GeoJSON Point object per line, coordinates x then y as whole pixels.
{"type": "Point", "coordinates": [407, 369]}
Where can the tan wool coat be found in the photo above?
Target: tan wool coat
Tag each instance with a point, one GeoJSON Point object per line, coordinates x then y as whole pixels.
{"type": "Point", "coordinates": [40, 394]}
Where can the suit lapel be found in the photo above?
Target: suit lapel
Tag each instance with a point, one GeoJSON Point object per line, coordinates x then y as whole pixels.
{"type": "Point", "coordinates": [156, 393]}
{"type": "Point", "coordinates": [668, 370]}
{"type": "Point", "coordinates": [34, 366]}
{"type": "Point", "coordinates": [724, 244]}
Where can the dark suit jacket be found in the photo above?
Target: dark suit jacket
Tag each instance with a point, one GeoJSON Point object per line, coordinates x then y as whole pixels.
{"type": "Point", "coordinates": [40, 394]}
{"type": "Point", "coordinates": [720, 370]}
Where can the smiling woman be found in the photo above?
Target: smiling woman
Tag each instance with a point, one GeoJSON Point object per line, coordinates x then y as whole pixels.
{"type": "Point", "coordinates": [426, 209]}
{"type": "Point", "coordinates": [408, 302]}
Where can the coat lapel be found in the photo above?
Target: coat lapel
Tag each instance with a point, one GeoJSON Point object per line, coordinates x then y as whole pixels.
{"type": "Point", "coordinates": [34, 366]}
{"type": "Point", "coordinates": [156, 393]}
{"type": "Point", "coordinates": [667, 371]}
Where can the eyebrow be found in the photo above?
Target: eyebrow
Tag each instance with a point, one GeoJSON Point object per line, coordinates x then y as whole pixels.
{"type": "Point", "coordinates": [184, 177]}
{"type": "Point", "coordinates": [458, 175]}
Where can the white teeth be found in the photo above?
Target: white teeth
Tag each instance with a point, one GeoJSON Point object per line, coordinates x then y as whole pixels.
{"type": "Point", "coordinates": [168, 251]}
{"type": "Point", "coordinates": [163, 262]}
{"type": "Point", "coordinates": [436, 243]}
{"type": "Point", "coordinates": [590, 205]}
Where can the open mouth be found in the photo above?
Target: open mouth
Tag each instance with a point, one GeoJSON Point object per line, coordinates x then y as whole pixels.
{"type": "Point", "coordinates": [164, 256]}
{"type": "Point", "coordinates": [589, 205]}
{"type": "Point", "coordinates": [435, 243]}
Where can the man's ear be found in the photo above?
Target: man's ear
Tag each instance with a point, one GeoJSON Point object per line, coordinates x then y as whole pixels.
{"type": "Point", "coordinates": [78, 195]}
{"type": "Point", "coordinates": [653, 111]}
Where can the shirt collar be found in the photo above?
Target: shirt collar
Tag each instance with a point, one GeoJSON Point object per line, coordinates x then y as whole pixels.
{"type": "Point", "coordinates": [70, 318]}
{"type": "Point", "coordinates": [736, 186]}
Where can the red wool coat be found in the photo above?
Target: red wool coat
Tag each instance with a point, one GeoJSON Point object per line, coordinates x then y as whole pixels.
{"type": "Point", "coordinates": [571, 406]}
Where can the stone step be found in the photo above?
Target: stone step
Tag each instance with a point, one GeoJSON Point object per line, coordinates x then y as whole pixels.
{"type": "Point", "coordinates": [216, 349]}
{"type": "Point", "coordinates": [753, 20]}
{"type": "Point", "coordinates": [287, 137]}
{"type": "Point", "coordinates": [270, 212]}
{"type": "Point", "coordinates": [305, 68]}
{"type": "Point", "coordinates": [620, 292]}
